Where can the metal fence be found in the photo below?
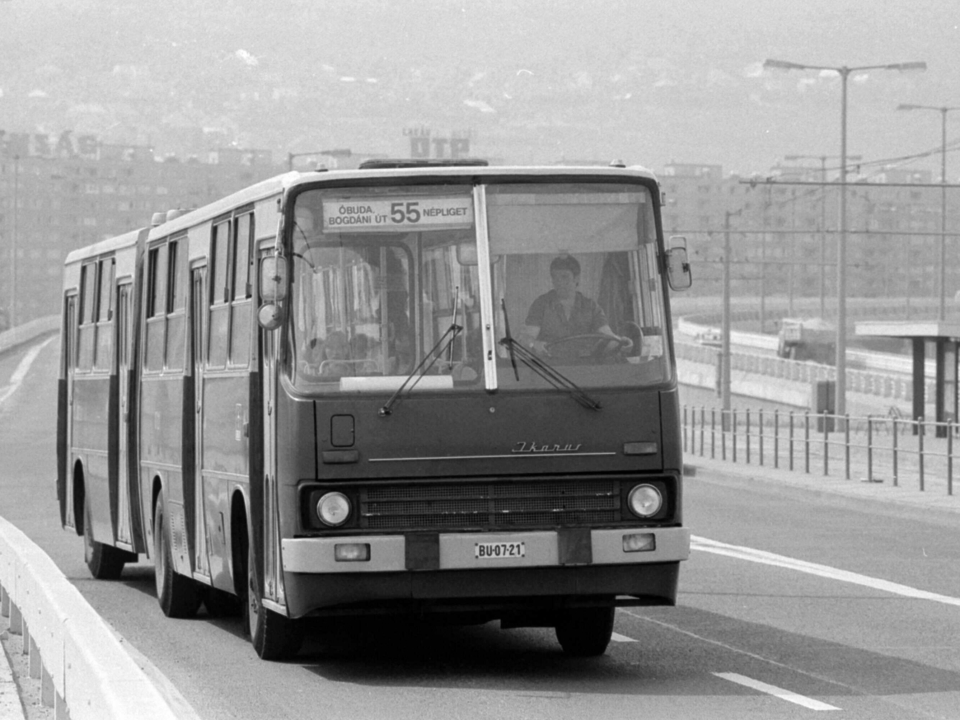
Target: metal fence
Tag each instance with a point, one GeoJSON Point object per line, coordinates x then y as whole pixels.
{"type": "Point", "coordinates": [877, 449]}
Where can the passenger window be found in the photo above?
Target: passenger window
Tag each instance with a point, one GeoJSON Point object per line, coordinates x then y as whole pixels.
{"type": "Point", "coordinates": [105, 306]}
{"type": "Point", "coordinates": [88, 301]}
{"type": "Point", "coordinates": [88, 292]}
{"type": "Point", "coordinates": [105, 281]}
{"type": "Point", "coordinates": [241, 257]}
{"type": "Point", "coordinates": [156, 282]}
{"type": "Point", "coordinates": [176, 300]}
{"type": "Point", "coordinates": [220, 246]}
{"type": "Point", "coordinates": [174, 291]}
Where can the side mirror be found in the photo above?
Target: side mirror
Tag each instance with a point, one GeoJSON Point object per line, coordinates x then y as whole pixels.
{"type": "Point", "coordinates": [270, 316]}
{"type": "Point", "coordinates": [273, 280]}
{"type": "Point", "coordinates": [678, 266]}
{"type": "Point", "coordinates": [273, 291]}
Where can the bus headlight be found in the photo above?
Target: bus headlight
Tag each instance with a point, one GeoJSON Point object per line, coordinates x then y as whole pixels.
{"type": "Point", "coordinates": [645, 501]}
{"type": "Point", "coordinates": [333, 509]}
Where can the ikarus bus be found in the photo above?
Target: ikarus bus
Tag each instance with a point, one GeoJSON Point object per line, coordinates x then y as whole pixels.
{"type": "Point", "coordinates": [422, 389]}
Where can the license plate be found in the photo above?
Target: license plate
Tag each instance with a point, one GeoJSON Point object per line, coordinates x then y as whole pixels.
{"type": "Point", "coordinates": [499, 550]}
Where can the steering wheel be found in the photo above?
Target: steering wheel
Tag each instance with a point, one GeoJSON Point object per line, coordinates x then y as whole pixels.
{"type": "Point", "coordinates": [631, 328]}
{"type": "Point", "coordinates": [602, 345]}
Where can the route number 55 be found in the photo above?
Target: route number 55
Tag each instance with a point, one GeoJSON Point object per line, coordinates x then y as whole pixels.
{"type": "Point", "coordinates": [405, 212]}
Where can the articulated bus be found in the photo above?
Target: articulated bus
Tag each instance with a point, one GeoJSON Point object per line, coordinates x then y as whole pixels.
{"type": "Point", "coordinates": [423, 389]}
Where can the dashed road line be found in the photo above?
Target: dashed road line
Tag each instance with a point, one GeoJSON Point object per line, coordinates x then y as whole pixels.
{"type": "Point", "coordinates": [787, 695]}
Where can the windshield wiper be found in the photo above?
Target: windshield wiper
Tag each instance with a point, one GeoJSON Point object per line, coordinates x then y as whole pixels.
{"type": "Point", "coordinates": [429, 360]}
{"type": "Point", "coordinates": [541, 368]}
{"type": "Point", "coordinates": [509, 338]}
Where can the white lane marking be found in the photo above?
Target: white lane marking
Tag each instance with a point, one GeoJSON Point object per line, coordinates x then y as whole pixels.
{"type": "Point", "coordinates": [747, 653]}
{"type": "Point", "coordinates": [768, 558]}
{"type": "Point", "coordinates": [22, 369]}
{"type": "Point", "coordinates": [806, 702]}
{"type": "Point", "coordinates": [617, 637]}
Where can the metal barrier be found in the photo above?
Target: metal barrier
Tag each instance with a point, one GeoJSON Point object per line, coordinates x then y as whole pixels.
{"type": "Point", "coordinates": [887, 385]}
{"type": "Point", "coordinates": [874, 448]}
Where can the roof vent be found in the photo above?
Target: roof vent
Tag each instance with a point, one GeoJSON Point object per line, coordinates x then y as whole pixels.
{"type": "Point", "coordinates": [158, 218]}
{"type": "Point", "coordinates": [618, 163]}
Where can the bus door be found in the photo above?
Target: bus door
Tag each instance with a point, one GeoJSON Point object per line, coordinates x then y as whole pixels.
{"type": "Point", "coordinates": [124, 354]}
{"type": "Point", "coordinates": [70, 366]}
{"type": "Point", "coordinates": [198, 314]}
{"type": "Point", "coordinates": [271, 541]}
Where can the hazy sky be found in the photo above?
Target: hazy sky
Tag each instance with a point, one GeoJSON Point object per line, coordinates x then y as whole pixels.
{"type": "Point", "coordinates": [648, 82]}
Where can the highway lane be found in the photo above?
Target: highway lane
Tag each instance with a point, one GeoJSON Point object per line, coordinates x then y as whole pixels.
{"type": "Point", "coordinates": [748, 638]}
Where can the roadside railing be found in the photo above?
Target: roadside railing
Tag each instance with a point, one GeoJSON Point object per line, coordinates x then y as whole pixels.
{"type": "Point", "coordinates": [876, 448]}
{"type": "Point", "coordinates": [883, 384]}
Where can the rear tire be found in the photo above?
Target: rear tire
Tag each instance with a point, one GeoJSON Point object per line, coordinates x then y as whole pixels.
{"type": "Point", "coordinates": [179, 595]}
{"type": "Point", "coordinates": [274, 636]}
{"type": "Point", "coordinates": [104, 561]}
{"type": "Point", "coordinates": [585, 632]}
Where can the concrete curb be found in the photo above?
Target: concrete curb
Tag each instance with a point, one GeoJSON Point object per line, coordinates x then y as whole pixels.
{"type": "Point", "coordinates": [21, 334]}
{"type": "Point", "coordinates": [852, 494]}
{"type": "Point", "coordinates": [84, 670]}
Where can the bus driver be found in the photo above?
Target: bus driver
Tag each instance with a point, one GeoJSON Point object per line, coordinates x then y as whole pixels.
{"type": "Point", "coordinates": [565, 312]}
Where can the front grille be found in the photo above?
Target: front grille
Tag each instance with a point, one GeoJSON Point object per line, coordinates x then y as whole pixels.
{"type": "Point", "coordinates": [463, 505]}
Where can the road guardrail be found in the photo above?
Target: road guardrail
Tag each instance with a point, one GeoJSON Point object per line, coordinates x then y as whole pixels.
{"type": "Point", "coordinates": [85, 673]}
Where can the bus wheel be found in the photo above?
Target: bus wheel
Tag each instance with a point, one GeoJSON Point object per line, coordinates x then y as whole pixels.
{"type": "Point", "coordinates": [105, 561]}
{"type": "Point", "coordinates": [274, 636]}
{"type": "Point", "coordinates": [585, 632]}
{"type": "Point", "coordinates": [179, 595]}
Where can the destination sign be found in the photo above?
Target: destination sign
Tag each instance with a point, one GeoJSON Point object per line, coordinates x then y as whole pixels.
{"type": "Point", "coordinates": [391, 215]}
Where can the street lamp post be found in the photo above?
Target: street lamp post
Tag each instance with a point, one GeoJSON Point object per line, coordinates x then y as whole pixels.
{"type": "Point", "coordinates": [844, 72]}
{"type": "Point", "coordinates": [12, 312]}
{"type": "Point", "coordinates": [726, 323]}
{"type": "Point", "coordinates": [942, 279]}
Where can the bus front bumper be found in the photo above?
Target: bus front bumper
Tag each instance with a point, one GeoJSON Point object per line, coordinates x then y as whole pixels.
{"type": "Point", "coordinates": [476, 551]}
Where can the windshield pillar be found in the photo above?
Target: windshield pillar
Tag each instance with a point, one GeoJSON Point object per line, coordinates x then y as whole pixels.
{"type": "Point", "coordinates": [486, 288]}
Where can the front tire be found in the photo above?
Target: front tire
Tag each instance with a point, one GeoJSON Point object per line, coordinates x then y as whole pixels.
{"type": "Point", "coordinates": [585, 632]}
{"type": "Point", "coordinates": [105, 562]}
{"type": "Point", "coordinates": [274, 636]}
{"type": "Point", "coordinates": [179, 595]}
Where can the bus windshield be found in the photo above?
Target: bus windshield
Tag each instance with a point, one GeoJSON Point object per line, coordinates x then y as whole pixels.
{"type": "Point", "coordinates": [387, 282]}
{"type": "Point", "coordinates": [575, 266]}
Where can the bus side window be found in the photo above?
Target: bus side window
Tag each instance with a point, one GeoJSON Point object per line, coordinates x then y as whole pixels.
{"type": "Point", "coordinates": [241, 290]}
{"type": "Point", "coordinates": [175, 304]}
{"type": "Point", "coordinates": [155, 306]}
{"type": "Point", "coordinates": [219, 326]}
{"type": "Point", "coordinates": [88, 301]}
{"type": "Point", "coordinates": [104, 314]}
